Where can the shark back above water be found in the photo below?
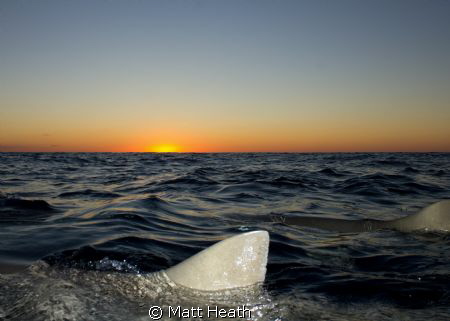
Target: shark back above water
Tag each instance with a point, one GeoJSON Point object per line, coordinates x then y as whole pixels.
{"type": "Point", "coordinates": [433, 218]}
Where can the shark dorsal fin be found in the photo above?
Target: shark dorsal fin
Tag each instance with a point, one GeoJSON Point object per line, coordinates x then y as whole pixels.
{"type": "Point", "coordinates": [238, 261]}
{"type": "Point", "coordinates": [435, 217]}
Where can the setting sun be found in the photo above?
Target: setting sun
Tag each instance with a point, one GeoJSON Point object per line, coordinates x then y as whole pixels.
{"type": "Point", "coordinates": [164, 148]}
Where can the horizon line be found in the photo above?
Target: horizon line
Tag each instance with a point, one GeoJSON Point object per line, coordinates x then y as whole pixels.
{"type": "Point", "coordinates": [229, 152]}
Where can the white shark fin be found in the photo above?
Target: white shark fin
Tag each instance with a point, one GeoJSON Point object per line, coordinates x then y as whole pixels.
{"type": "Point", "coordinates": [435, 217]}
{"type": "Point", "coordinates": [234, 262]}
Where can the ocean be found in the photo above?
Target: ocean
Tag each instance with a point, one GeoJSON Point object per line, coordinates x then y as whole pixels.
{"type": "Point", "coordinates": [75, 226]}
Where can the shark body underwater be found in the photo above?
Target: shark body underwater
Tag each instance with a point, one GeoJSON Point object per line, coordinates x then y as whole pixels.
{"type": "Point", "coordinates": [227, 273]}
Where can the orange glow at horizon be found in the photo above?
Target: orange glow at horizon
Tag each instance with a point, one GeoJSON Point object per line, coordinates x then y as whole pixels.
{"type": "Point", "coordinates": [322, 134]}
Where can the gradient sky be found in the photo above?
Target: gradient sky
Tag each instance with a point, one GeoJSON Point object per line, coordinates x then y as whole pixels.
{"type": "Point", "coordinates": [225, 75]}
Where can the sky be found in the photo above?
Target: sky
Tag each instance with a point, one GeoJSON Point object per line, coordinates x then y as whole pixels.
{"type": "Point", "coordinates": [225, 75]}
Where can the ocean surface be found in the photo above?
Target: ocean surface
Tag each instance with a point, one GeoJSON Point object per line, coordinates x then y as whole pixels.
{"type": "Point", "coordinates": [76, 227]}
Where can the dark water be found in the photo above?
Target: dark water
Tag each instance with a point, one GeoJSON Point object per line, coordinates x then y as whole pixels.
{"type": "Point", "coordinates": [137, 213]}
